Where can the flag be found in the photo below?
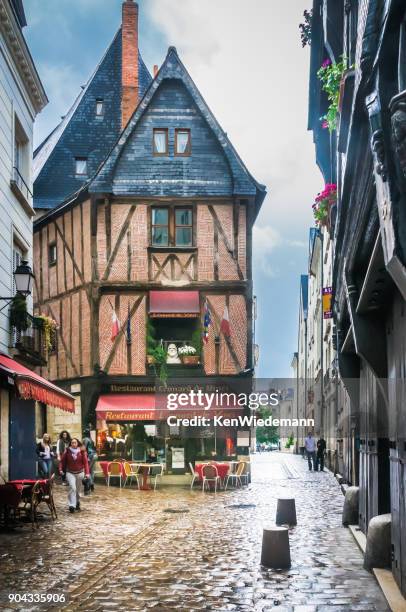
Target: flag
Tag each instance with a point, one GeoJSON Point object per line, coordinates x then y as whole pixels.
{"type": "Point", "coordinates": [115, 326]}
{"type": "Point", "coordinates": [206, 322]}
{"type": "Point", "coordinates": [225, 323]}
{"type": "Point", "coordinates": [129, 326]}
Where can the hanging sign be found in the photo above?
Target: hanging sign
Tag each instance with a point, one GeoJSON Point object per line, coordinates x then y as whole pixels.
{"type": "Point", "coordinates": [327, 302]}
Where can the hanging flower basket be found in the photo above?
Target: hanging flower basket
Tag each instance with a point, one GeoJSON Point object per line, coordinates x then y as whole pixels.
{"type": "Point", "coordinates": [331, 76]}
{"type": "Point", "coordinates": [323, 203]}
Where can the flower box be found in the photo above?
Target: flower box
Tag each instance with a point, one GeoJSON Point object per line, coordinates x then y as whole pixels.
{"type": "Point", "coordinates": [190, 359]}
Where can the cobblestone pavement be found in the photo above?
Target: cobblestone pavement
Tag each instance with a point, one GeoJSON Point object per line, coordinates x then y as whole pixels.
{"type": "Point", "coordinates": [123, 551]}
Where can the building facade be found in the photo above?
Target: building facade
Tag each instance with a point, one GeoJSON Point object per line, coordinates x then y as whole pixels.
{"type": "Point", "coordinates": [365, 154]}
{"type": "Point", "coordinates": [23, 395]}
{"type": "Point", "coordinates": [159, 237]}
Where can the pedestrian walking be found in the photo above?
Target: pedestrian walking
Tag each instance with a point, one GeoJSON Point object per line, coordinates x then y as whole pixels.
{"type": "Point", "coordinates": [63, 443]}
{"type": "Point", "coordinates": [90, 449]}
{"type": "Point", "coordinates": [45, 456]}
{"type": "Point", "coordinates": [321, 449]}
{"type": "Point", "coordinates": [75, 466]}
{"type": "Point", "coordinates": [310, 446]}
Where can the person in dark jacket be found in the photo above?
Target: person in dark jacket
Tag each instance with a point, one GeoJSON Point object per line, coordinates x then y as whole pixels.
{"type": "Point", "coordinates": [89, 447]}
{"type": "Point", "coordinates": [321, 449]}
{"type": "Point", "coordinates": [45, 456]}
{"type": "Point", "coordinates": [63, 443]}
{"type": "Point", "coordinates": [74, 464]}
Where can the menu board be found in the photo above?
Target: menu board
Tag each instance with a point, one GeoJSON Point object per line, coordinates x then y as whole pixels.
{"type": "Point", "coordinates": [178, 458]}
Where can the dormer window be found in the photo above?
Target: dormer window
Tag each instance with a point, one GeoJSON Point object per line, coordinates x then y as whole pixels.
{"type": "Point", "coordinates": [99, 107]}
{"type": "Point", "coordinates": [183, 143]}
{"type": "Point", "coordinates": [81, 166]}
{"type": "Point", "coordinates": [160, 141]}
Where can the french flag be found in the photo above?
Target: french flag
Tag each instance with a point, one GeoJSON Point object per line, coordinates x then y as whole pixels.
{"type": "Point", "coordinates": [115, 326]}
{"type": "Point", "coordinates": [225, 323]}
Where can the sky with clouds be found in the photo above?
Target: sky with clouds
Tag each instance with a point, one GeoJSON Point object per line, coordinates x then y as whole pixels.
{"type": "Point", "coordinates": [247, 60]}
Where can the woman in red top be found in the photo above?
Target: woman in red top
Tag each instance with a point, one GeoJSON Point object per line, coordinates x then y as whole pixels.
{"type": "Point", "coordinates": [75, 465]}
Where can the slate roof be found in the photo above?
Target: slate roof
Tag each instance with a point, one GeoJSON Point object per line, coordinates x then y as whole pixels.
{"type": "Point", "coordinates": [242, 182]}
{"type": "Point", "coordinates": [104, 180]}
{"type": "Point", "coordinates": [81, 133]}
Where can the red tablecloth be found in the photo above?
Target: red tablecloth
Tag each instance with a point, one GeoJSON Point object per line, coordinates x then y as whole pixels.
{"type": "Point", "coordinates": [222, 469]}
{"type": "Point", "coordinates": [10, 495]}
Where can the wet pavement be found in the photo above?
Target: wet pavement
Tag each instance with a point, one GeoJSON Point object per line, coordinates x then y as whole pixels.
{"type": "Point", "coordinates": [176, 549]}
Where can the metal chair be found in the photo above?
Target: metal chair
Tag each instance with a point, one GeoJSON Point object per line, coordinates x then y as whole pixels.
{"type": "Point", "coordinates": [47, 496]}
{"type": "Point", "coordinates": [157, 471]}
{"type": "Point", "coordinates": [131, 471]}
{"type": "Point", "coordinates": [195, 475]}
{"type": "Point", "coordinates": [210, 474]}
{"type": "Point", "coordinates": [244, 476]}
{"type": "Point", "coordinates": [236, 476]}
{"type": "Point", "coordinates": [114, 470]}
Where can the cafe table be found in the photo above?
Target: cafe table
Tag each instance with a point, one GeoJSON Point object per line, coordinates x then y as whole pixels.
{"type": "Point", "coordinates": [223, 468]}
{"type": "Point", "coordinates": [145, 469]}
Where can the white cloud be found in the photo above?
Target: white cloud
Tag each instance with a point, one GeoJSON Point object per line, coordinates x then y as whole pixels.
{"type": "Point", "coordinates": [266, 240]}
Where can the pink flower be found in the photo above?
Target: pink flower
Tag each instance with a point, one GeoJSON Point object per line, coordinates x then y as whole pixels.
{"type": "Point", "coordinates": [326, 63]}
{"type": "Point", "coordinates": [324, 124]}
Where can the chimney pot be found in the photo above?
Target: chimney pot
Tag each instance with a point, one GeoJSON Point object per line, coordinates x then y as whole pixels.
{"type": "Point", "coordinates": [155, 70]}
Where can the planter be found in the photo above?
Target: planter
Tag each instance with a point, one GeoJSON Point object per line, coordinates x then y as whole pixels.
{"type": "Point", "coordinates": [190, 359]}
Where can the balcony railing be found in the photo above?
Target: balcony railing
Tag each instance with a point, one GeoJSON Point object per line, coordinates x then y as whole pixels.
{"type": "Point", "coordinates": [30, 343]}
{"type": "Point", "coordinates": [21, 190]}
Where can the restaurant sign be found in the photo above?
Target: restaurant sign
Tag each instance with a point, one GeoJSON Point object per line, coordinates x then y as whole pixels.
{"type": "Point", "coordinates": [327, 302]}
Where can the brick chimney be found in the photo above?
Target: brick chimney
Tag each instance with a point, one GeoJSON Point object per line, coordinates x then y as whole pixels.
{"type": "Point", "coordinates": [129, 60]}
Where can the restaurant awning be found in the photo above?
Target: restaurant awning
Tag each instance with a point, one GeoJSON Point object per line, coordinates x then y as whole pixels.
{"type": "Point", "coordinates": [31, 386]}
{"type": "Point", "coordinates": [150, 407]}
{"type": "Point", "coordinates": [174, 304]}
{"type": "Point", "coordinates": [126, 407]}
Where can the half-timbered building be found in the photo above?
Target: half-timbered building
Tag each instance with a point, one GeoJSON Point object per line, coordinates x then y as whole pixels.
{"type": "Point", "coordinates": [366, 154]}
{"type": "Point", "coordinates": [158, 233]}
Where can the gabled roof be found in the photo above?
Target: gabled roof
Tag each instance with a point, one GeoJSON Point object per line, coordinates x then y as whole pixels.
{"type": "Point", "coordinates": [51, 157]}
{"type": "Point", "coordinates": [173, 68]}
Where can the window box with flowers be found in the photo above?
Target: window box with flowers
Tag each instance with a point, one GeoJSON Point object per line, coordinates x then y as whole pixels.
{"type": "Point", "coordinates": [188, 355]}
{"type": "Point", "coordinates": [49, 327]}
{"type": "Point", "coordinates": [323, 203]}
{"type": "Point", "coordinates": [331, 76]}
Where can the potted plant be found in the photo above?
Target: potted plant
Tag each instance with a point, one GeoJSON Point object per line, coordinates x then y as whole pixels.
{"type": "Point", "coordinates": [159, 356]}
{"type": "Point", "coordinates": [19, 317]}
{"type": "Point", "coordinates": [189, 355]}
{"type": "Point", "coordinates": [331, 75]}
{"type": "Point", "coordinates": [48, 327]}
{"type": "Point", "coordinates": [151, 343]}
{"type": "Point", "coordinates": [323, 203]}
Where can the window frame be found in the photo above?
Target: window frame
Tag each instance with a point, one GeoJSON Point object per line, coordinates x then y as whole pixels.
{"type": "Point", "coordinates": [154, 225]}
{"type": "Point", "coordinates": [172, 208]}
{"type": "Point", "coordinates": [188, 150]}
{"type": "Point", "coordinates": [52, 261]}
{"type": "Point", "coordinates": [99, 101]}
{"type": "Point", "coordinates": [166, 132]}
{"type": "Point", "coordinates": [81, 158]}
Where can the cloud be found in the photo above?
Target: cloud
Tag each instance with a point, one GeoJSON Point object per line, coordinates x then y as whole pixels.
{"type": "Point", "coordinates": [266, 240]}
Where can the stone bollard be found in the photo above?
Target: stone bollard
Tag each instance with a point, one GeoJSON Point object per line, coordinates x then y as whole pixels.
{"type": "Point", "coordinates": [350, 509]}
{"type": "Point", "coordinates": [275, 548]}
{"type": "Point", "coordinates": [286, 511]}
{"type": "Point", "coordinates": [378, 548]}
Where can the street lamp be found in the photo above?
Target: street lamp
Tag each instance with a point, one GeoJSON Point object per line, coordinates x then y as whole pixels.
{"type": "Point", "coordinates": [23, 279]}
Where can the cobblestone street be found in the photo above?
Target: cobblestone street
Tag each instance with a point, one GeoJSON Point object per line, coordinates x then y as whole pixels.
{"type": "Point", "coordinates": [123, 551]}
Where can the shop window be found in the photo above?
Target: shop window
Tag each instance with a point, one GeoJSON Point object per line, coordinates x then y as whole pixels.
{"type": "Point", "coordinates": [172, 226]}
{"type": "Point", "coordinates": [183, 145]}
{"type": "Point", "coordinates": [160, 141]}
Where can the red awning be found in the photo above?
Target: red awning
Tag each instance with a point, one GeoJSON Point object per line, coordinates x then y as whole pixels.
{"type": "Point", "coordinates": [32, 386]}
{"type": "Point", "coordinates": [126, 407]}
{"type": "Point", "coordinates": [151, 407]}
{"type": "Point", "coordinates": [174, 303]}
